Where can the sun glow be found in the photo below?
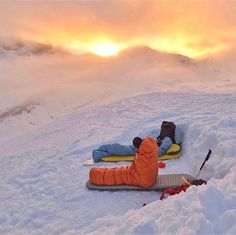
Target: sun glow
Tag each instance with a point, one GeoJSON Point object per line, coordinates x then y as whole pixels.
{"type": "Point", "coordinates": [105, 49]}
{"type": "Point", "coordinates": [101, 49]}
{"type": "Point", "coordinates": [107, 28]}
{"type": "Point", "coordinates": [188, 46]}
{"type": "Point", "coordinates": [177, 43]}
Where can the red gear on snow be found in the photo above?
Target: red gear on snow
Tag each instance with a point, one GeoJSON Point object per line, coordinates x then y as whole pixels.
{"type": "Point", "coordinates": [172, 191]}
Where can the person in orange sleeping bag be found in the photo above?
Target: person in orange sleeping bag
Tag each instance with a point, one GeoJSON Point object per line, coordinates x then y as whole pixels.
{"type": "Point", "coordinates": [142, 172]}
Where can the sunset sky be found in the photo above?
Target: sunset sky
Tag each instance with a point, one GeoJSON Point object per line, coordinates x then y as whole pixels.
{"type": "Point", "coordinates": [192, 28]}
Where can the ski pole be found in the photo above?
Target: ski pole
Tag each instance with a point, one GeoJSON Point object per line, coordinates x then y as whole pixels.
{"type": "Point", "coordinates": [206, 159]}
{"type": "Point", "coordinates": [135, 150]}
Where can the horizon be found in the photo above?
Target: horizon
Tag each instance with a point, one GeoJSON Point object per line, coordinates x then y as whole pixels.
{"type": "Point", "coordinates": [15, 45]}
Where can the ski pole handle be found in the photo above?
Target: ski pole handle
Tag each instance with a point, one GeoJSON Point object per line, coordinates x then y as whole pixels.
{"type": "Point", "coordinates": [206, 159]}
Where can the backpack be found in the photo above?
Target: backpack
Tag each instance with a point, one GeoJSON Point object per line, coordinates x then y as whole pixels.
{"type": "Point", "coordinates": [167, 130]}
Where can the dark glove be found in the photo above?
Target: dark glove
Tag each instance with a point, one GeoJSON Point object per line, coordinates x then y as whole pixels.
{"type": "Point", "coordinates": [137, 141]}
{"type": "Point", "coordinates": [198, 182]}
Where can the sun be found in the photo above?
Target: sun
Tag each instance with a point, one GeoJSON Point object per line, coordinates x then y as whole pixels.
{"type": "Point", "coordinates": [104, 49]}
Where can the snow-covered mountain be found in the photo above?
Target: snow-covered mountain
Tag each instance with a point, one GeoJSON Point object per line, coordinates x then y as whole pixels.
{"type": "Point", "coordinates": [20, 119]}
{"type": "Point", "coordinates": [27, 48]}
{"type": "Point", "coordinates": [61, 83]}
{"type": "Point", "coordinates": [144, 54]}
{"type": "Point", "coordinates": [55, 108]}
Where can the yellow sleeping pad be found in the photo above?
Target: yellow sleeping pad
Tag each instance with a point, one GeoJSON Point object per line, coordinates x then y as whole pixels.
{"type": "Point", "coordinates": [172, 153]}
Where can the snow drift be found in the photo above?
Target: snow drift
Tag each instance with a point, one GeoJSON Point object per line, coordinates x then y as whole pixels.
{"type": "Point", "coordinates": [55, 109]}
{"type": "Point", "coordinates": [43, 177]}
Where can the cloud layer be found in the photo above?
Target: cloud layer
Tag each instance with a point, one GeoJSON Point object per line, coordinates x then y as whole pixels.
{"type": "Point", "coordinates": [187, 26]}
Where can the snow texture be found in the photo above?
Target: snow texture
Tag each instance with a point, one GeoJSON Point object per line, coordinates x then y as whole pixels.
{"type": "Point", "coordinates": [43, 179]}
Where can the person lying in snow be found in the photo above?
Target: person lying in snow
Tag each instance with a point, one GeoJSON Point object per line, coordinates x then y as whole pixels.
{"type": "Point", "coordinates": [125, 150]}
{"type": "Point", "coordinates": [142, 172]}
{"type": "Point", "coordinates": [164, 141]}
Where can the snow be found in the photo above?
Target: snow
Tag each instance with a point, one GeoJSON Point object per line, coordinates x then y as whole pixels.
{"type": "Point", "coordinates": [42, 175]}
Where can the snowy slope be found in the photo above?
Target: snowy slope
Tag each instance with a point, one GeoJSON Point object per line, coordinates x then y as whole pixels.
{"type": "Point", "coordinates": [43, 179]}
{"type": "Point", "coordinates": [61, 83]}
{"type": "Point", "coordinates": [56, 108]}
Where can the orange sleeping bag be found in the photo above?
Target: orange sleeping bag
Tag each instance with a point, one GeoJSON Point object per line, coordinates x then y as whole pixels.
{"type": "Point", "coordinates": [142, 172]}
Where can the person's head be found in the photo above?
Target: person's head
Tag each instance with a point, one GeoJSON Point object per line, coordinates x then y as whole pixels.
{"type": "Point", "coordinates": [137, 142]}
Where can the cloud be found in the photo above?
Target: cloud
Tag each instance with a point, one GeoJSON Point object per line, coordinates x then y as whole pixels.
{"type": "Point", "coordinates": [165, 25]}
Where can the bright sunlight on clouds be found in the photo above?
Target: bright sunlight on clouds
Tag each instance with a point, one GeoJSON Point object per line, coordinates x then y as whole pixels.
{"type": "Point", "coordinates": [105, 49]}
{"type": "Point", "coordinates": [192, 28]}
{"type": "Point", "coordinates": [98, 48]}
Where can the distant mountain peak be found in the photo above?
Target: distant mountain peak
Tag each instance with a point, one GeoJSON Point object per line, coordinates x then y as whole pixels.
{"type": "Point", "coordinates": [150, 54]}
{"type": "Point", "coordinates": [18, 47]}
{"type": "Point", "coordinates": [139, 50]}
